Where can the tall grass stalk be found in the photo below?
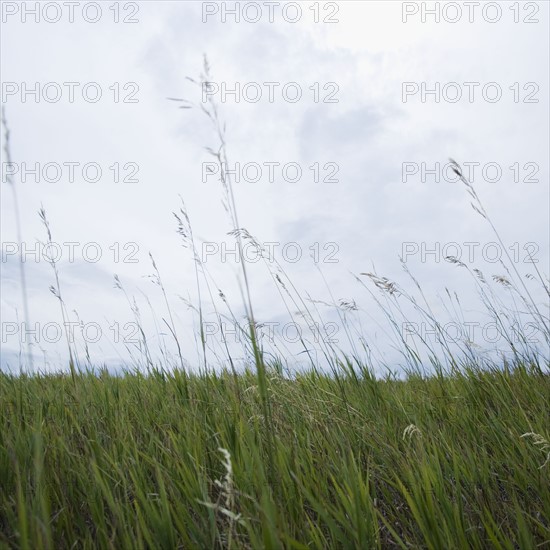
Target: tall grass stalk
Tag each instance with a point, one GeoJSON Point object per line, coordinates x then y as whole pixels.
{"type": "Point", "coordinates": [212, 112]}
{"type": "Point", "coordinates": [56, 291]}
{"type": "Point", "coordinates": [19, 234]}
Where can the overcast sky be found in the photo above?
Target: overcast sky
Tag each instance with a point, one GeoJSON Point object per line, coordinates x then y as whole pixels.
{"type": "Point", "coordinates": [388, 94]}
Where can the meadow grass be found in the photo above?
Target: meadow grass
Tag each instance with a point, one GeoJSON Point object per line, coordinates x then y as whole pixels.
{"type": "Point", "coordinates": [454, 454]}
{"type": "Point", "coordinates": [162, 460]}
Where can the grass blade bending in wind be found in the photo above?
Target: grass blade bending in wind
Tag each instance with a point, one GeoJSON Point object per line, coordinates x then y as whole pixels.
{"type": "Point", "coordinates": [22, 277]}
{"type": "Point", "coordinates": [477, 205]}
{"type": "Point", "coordinates": [56, 291]}
{"type": "Point", "coordinates": [211, 111]}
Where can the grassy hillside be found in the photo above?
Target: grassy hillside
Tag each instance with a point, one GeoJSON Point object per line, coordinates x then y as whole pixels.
{"type": "Point", "coordinates": [454, 455]}
{"type": "Point", "coordinates": [168, 461]}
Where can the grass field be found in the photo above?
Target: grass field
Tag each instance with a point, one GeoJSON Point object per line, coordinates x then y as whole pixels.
{"type": "Point", "coordinates": [443, 457]}
{"type": "Point", "coordinates": [168, 461]}
{"type": "Point", "coordinates": [454, 454]}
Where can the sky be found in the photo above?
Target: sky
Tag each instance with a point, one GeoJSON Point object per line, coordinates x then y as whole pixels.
{"type": "Point", "coordinates": [339, 120]}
